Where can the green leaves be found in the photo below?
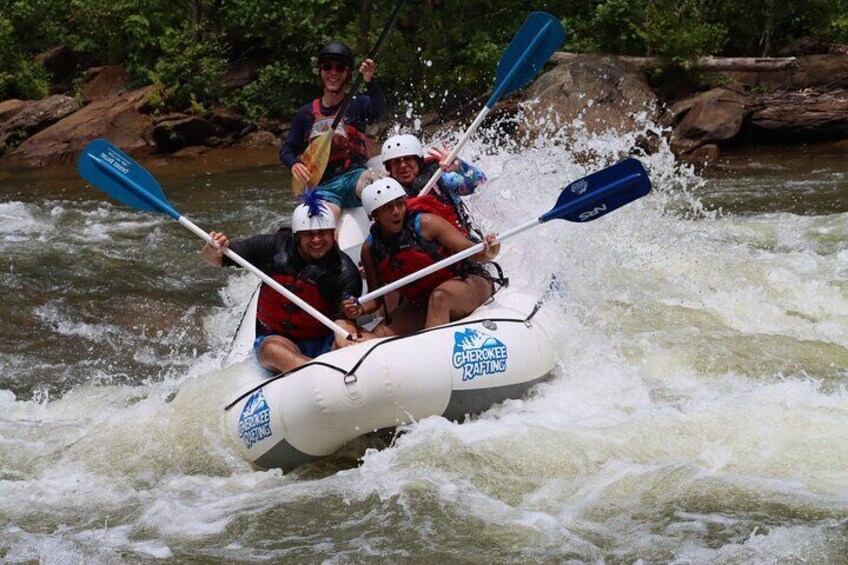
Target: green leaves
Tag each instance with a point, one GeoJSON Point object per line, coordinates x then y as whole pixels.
{"type": "Point", "coordinates": [192, 66]}
{"type": "Point", "coordinates": [442, 52]}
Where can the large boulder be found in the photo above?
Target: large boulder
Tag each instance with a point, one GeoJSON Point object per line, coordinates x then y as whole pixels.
{"type": "Point", "coordinates": [32, 117]}
{"type": "Point", "coordinates": [172, 132]}
{"type": "Point", "coordinates": [105, 82]}
{"type": "Point", "coordinates": [120, 119]}
{"type": "Point", "coordinates": [8, 109]}
{"type": "Point", "coordinates": [711, 117]}
{"type": "Point", "coordinates": [601, 92]}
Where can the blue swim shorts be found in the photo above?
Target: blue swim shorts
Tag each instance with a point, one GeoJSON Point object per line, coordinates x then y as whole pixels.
{"type": "Point", "coordinates": [341, 190]}
{"type": "Point", "coordinates": [312, 348]}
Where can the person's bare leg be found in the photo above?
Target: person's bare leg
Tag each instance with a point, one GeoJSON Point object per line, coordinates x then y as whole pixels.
{"type": "Point", "coordinates": [336, 210]}
{"type": "Point", "coordinates": [407, 318]}
{"type": "Point", "coordinates": [350, 327]}
{"type": "Point", "coordinates": [457, 298]}
{"type": "Point", "coordinates": [367, 177]}
{"type": "Point", "coordinates": [280, 354]}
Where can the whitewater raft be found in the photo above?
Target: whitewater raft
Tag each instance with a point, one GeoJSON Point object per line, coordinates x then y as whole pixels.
{"type": "Point", "coordinates": [496, 353]}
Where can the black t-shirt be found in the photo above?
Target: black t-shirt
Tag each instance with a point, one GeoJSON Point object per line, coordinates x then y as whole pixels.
{"type": "Point", "coordinates": [277, 254]}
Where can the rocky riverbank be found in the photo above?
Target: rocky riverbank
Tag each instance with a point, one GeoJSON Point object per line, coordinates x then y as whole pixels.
{"type": "Point", "coordinates": [730, 102]}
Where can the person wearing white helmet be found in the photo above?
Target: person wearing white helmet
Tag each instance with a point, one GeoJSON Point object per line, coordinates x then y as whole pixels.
{"type": "Point", "coordinates": [306, 260]}
{"type": "Point", "coordinates": [406, 162]}
{"type": "Point", "coordinates": [402, 242]}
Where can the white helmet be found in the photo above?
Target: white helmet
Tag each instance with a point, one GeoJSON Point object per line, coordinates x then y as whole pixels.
{"type": "Point", "coordinates": [401, 146]}
{"type": "Point", "coordinates": [304, 219]}
{"type": "Point", "coordinates": [381, 192]}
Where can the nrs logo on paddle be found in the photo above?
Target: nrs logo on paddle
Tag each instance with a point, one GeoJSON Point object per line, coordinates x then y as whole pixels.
{"type": "Point", "coordinates": [255, 420]}
{"type": "Point", "coordinates": [476, 353]}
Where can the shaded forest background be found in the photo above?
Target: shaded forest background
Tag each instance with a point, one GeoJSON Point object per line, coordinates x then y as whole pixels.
{"type": "Point", "coordinates": [442, 52]}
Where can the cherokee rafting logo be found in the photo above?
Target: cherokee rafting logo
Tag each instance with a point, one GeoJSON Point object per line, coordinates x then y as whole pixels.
{"type": "Point", "coordinates": [255, 420]}
{"type": "Point", "coordinates": [477, 353]}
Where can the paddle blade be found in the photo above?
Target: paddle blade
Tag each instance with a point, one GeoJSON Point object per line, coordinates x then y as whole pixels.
{"type": "Point", "coordinates": [539, 37]}
{"type": "Point", "coordinates": [601, 192]}
{"type": "Point", "coordinates": [118, 175]}
{"type": "Point", "coordinates": [315, 157]}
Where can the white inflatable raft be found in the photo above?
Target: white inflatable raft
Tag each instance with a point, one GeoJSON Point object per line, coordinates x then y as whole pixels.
{"type": "Point", "coordinates": [465, 367]}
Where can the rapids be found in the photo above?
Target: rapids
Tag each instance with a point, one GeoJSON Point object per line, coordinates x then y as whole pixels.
{"type": "Point", "coordinates": [698, 415]}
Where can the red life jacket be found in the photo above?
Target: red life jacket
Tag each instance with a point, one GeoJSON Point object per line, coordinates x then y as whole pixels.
{"type": "Point", "coordinates": [348, 142]}
{"type": "Point", "coordinates": [407, 253]}
{"type": "Point", "coordinates": [282, 316]}
{"type": "Point", "coordinates": [437, 201]}
{"type": "Point", "coordinates": [432, 203]}
{"type": "Point", "coordinates": [312, 282]}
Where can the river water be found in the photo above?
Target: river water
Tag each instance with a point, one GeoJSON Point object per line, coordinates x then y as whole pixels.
{"type": "Point", "coordinates": [698, 414]}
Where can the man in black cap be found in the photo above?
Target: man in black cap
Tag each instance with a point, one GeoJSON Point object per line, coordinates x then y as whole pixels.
{"type": "Point", "coordinates": [349, 150]}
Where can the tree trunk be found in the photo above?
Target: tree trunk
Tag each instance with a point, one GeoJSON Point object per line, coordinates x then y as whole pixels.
{"type": "Point", "coordinates": [706, 63]}
{"type": "Point", "coordinates": [650, 17]}
{"type": "Point", "coordinates": [197, 18]}
{"type": "Point", "coordinates": [765, 40]}
{"type": "Point", "coordinates": [363, 43]}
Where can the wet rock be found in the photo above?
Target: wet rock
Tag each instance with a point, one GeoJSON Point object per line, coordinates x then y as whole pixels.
{"type": "Point", "coordinates": [259, 139]}
{"type": "Point", "coordinates": [702, 156]}
{"type": "Point", "coordinates": [193, 151]}
{"type": "Point", "coordinates": [33, 117]}
{"type": "Point", "coordinates": [118, 119]}
{"type": "Point", "coordinates": [9, 108]}
{"type": "Point", "coordinates": [104, 82]}
{"type": "Point", "coordinates": [226, 121]}
{"type": "Point", "coordinates": [241, 74]}
{"type": "Point", "coordinates": [175, 131]}
{"type": "Point", "coordinates": [604, 93]}
{"type": "Point", "coordinates": [712, 117]}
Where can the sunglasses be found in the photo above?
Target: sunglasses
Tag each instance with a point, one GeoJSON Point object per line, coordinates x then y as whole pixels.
{"type": "Point", "coordinates": [333, 66]}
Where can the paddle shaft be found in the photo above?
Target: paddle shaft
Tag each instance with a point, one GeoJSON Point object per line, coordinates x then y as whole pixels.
{"type": "Point", "coordinates": [455, 152]}
{"type": "Point", "coordinates": [303, 305]}
{"type": "Point", "coordinates": [166, 208]}
{"type": "Point", "coordinates": [373, 53]}
{"type": "Point", "coordinates": [585, 202]}
{"type": "Point", "coordinates": [473, 250]}
{"type": "Point", "coordinates": [500, 89]}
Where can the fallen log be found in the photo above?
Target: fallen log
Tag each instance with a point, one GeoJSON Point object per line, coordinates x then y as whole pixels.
{"type": "Point", "coordinates": [716, 64]}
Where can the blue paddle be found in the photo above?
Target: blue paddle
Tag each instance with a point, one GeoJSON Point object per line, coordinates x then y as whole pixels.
{"type": "Point", "coordinates": [540, 35]}
{"type": "Point", "coordinates": [583, 200]}
{"type": "Point", "coordinates": [115, 173]}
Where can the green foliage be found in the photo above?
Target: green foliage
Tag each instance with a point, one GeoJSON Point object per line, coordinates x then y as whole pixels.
{"type": "Point", "coordinates": [31, 80]}
{"type": "Point", "coordinates": [263, 97]}
{"type": "Point", "coordinates": [616, 24]}
{"type": "Point", "coordinates": [748, 23]}
{"type": "Point", "coordinates": [676, 32]}
{"type": "Point", "coordinates": [441, 54]}
{"type": "Point", "coordinates": [192, 66]}
{"type": "Point", "coordinates": [838, 29]}
{"type": "Point", "coordinates": [20, 76]}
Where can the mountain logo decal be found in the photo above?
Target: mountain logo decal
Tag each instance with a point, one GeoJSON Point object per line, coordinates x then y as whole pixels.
{"type": "Point", "coordinates": [476, 353]}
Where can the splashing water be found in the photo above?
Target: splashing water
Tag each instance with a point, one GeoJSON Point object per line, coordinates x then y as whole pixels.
{"type": "Point", "coordinates": [698, 413]}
